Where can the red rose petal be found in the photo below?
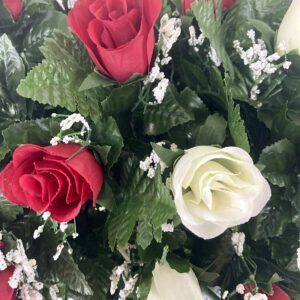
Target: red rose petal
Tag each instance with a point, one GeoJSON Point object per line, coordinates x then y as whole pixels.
{"type": "Point", "coordinates": [99, 10]}
{"type": "Point", "coordinates": [66, 183]}
{"type": "Point", "coordinates": [14, 7]}
{"type": "Point", "coordinates": [65, 212]}
{"type": "Point", "coordinates": [119, 6]}
{"type": "Point", "coordinates": [7, 293]}
{"type": "Point", "coordinates": [35, 188]}
{"type": "Point", "coordinates": [78, 20]}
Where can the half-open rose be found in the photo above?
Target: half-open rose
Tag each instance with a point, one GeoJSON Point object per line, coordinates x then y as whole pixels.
{"type": "Point", "coordinates": [118, 34]}
{"type": "Point", "coordinates": [44, 179]}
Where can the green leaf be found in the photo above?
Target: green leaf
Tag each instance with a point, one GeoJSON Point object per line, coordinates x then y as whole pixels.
{"type": "Point", "coordinates": [213, 131]}
{"type": "Point", "coordinates": [236, 125]}
{"type": "Point", "coordinates": [95, 79]}
{"type": "Point", "coordinates": [205, 276]}
{"type": "Point", "coordinates": [5, 16]}
{"type": "Point", "coordinates": [97, 271]}
{"type": "Point", "coordinates": [8, 211]}
{"type": "Point", "coordinates": [121, 99]}
{"type": "Point", "coordinates": [39, 132]}
{"type": "Point", "coordinates": [178, 264]}
{"type": "Point", "coordinates": [167, 156]}
{"type": "Point", "coordinates": [12, 70]}
{"type": "Point", "coordinates": [277, 162]}
{"type": "Point", "coordinates": [105, 132]}
{"type": "Point", "coordinates": [144, 200]}
{"type": "Point", "coordinates": [42, 27]}
{"type": "Point", "coordinates": [272, 221]}
{"type": "Point", "coordinates": [57, 79]}
{"type": "Point", "coordinates": [67, 271]}
{"type": "Point", "coordinates": [209, 15]}
{"type": "Point", "coordinates": [160, 118]}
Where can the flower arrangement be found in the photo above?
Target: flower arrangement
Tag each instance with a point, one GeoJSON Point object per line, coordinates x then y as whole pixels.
{"type": "Point", "coordinates": [149, 149]}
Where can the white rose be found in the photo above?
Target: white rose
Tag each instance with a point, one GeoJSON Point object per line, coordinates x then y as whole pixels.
{"type": "Point", "coordinates": [289, 30]}
{"type": "Point", "coordinates": [168, 284]}
{"type": "Point", "coordinates": [215, 189]}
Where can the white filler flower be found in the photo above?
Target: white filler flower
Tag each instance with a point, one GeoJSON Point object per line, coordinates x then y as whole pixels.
{"type": "Point", "coordinates": [215, 189]}
{"type": "Point", "coordinates": [167, 283]}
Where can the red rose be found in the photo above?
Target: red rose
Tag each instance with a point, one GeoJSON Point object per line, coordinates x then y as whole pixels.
{"type": "Point", "coordinates": [186, 4]}
{"type": "Point", "coordinates": [43, 179]}
{"type": "Point", "coordinates": [14, 7]}
{"type": "Point", "coordinates": [118, 34]}
{"type": "Point", "coordinates": [6, 292]}
{"type": "Point", "coordinates": [279, 294]}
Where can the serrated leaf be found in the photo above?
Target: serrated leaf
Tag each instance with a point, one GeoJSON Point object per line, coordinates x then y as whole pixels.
{"type": "Point", "coordinates": [209, 15]}
{"type": "Point", "coordinates": [8, 211]}
{"type": "Point", "coordinates": [160, 118]}
{"type": "Point", "coordinates": [236, 125]}
{"type": "Point", "coordinates": [143, 200]}
{"type": "Point", "coordinates": [213, 131]}
{"type": "Point", "coordinates": [277, 162]}
{"type": "Point", "coordinates": [57, 79]}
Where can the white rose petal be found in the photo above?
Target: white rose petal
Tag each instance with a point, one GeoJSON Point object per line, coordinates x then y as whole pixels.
{"type": "Point", "coordinates": [215, 189]}
{"type": "Point", "coordinates": [289, 30]}
{"type": "Point", "coordinates": [167, 284]}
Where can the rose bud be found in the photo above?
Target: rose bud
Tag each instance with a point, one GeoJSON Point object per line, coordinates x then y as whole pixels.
{"type": "Point", "coordinates": [119, 34]}
{"type": "Point", "coordinates": [216, 188]}
{"type": "Point", "coordinates": [45, 179]}
{"type": "Point", "coordinates": [167, 283]}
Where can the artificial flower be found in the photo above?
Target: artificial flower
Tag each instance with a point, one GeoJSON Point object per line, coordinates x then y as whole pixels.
{"type": "Point", "coordinates": [45, 179]}
{"type": "Point", "coordinates": [7, 293]}
{"type": "Point", "coordinates": [167, 283]}
{"type": "Point", "coordinates": [217, 188]}
{"type": "Point", "coordinates": [119, 35]}
{"type": "Point", "coordinates": [14, 7]}
{"type": "Point", "coordinates": [289, 30]}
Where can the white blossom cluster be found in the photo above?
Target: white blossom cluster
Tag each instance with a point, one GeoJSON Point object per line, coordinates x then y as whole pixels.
{"type": "Point", "coordinates": [150, 164]}
{"type": "Point", "coordinates": [257, 296]}
{"type": "Point", "coordinates": [24, 275]}
{"type": "Point", "coordinates": [212, 54]}
{"type": "Point", "coordinates": [238, 241]}
{"type": "Point", "coordinates": [240, 289]}
{"type": "Point", "coordinates": [167, 227]}
{"type": "Point", "coordinates": [225, 295]}
{"type": "Point", "coordinates": [298, 258]}
{"type": "Point", "coordinates": [169, 32]}
{"type": "Point", "coordinates": [123, 271]}
{"type": "Point", "coordinates": [67, 124]}
{"type": "Point", "coordinates": [195, 41]}
{"type": "Point", "coordinates": [260, 63]}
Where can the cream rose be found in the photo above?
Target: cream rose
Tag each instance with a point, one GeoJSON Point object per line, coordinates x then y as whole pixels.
{"type": "Point", "coordinates": [289, 30]}
{"type": "Point", "coordinates": [217, 188]}
{"type": "Point", "coordinates": [168, 284]}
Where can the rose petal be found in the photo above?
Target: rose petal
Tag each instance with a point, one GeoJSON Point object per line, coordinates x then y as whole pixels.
{"type": "Point", "coordinates": [7, 293]}
{"type": "Point", "coordinates": [35, 188]}
{"type": "Point", "coordinates": [78, 20]}
{"type": "Point", "coordinates": [14, 7]}
{"type": "Point", "coordinates": [65, 212]}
